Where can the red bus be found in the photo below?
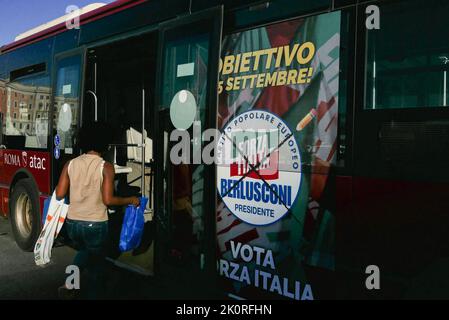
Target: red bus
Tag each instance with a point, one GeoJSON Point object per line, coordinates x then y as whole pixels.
{"type": "Point", "coordinates": [360, 116]}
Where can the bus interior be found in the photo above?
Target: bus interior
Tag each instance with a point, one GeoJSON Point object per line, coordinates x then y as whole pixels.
{"type": "Point", "coordinates": [118, 90]}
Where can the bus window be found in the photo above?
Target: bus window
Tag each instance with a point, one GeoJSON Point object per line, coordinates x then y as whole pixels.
{"type": "Point", "coordinates": [2, 107]}
{"type": "Point", "coordinates": [187, 68]}
{"type": "Point", "coordinates": [408, 58]}
{"type": "Point", "coordinates": [342, 3]}
{"type": "Point", "coordinates": [2, 97]}
{"type": "Point", "coordinates": [275, 10]}
{"type": "Point", "coordinates": [346, 88]}
{"type": "Point", "coordinates": [66, 101]}
{"type": "Point", "coordinates": [185, 80]}
{"type": "Point", "coordinates": [26, 112]}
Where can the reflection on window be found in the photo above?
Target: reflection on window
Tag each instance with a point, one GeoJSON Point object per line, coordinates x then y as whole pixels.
{"type": "Point", "coordinates": [407, 59]}
{"type": "Point", "coordinates": [66, 105]}
{"type": "Point", "coordinates": [2, 108]}
{"type": "Point", "coordinates": [346, 50]}
{"type": "Point", "coordinates": [185, 69]}
{"type": "Point", "coordinates": [19, 117]}
{"type": "Point", "coordinates": [183, 53]}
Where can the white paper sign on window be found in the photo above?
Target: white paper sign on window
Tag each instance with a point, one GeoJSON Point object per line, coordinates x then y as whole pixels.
{"type": "Point", "coordinates": [67, 89]}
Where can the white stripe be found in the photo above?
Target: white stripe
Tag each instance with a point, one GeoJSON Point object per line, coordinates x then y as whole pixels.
{"type": "Point", "coordinates": [333, 86]}
{"type": "Point", "coordinates": [332, 70]}
{"type": "Point", "coordinates": [327, 48]}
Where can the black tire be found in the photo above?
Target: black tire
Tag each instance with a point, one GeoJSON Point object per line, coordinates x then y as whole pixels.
{"type": "Point", "coordinates": [24, 214]}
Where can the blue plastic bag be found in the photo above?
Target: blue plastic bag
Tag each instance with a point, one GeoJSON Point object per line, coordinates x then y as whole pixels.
{"type": "Point", "coordinates": [132, 228]}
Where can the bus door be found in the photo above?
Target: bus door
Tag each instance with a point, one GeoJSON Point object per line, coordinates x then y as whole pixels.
{"type": "Point", "coordinates": [66, 110]}
{"type": "Point", "coordinates": [186, 105]}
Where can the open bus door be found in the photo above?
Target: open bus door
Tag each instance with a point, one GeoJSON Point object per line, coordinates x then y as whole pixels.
{"type": "Point", "coordinates": [186, 102]}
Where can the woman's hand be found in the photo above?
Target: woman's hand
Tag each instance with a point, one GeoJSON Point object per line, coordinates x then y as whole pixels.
{"type": "Point", "coordinates": [135, 201]}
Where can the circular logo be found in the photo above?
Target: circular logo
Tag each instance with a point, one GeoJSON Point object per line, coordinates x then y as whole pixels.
{"type": "Point", "coordinates": [65, 118]}
{"type": "Point", "coordinates": [183, 110]}
{"type": "Point", "coordinates": [258, 167]}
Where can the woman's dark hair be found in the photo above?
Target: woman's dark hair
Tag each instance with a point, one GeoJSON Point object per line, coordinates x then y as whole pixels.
{"type": "Point", "coordinates": [95, 136]}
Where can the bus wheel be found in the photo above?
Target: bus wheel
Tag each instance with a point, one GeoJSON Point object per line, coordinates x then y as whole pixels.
{"type": "Point", "coordinates": [24, 214]}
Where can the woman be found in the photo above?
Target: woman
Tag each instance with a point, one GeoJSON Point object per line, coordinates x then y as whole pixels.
{"type": "Point", "coordinates": [91, 183]}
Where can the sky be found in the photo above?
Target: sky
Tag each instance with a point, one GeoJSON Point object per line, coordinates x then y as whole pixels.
{"type": "Point", "coordinates": [19, 16]}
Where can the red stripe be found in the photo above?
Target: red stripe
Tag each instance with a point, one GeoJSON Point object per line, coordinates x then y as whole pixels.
{"type": "Point", "coordinates": [243, 238]}
{"type": "Point", "coordinates": [318, 144]}
{"type": "Point", "coordinates": [278, 100]}
{"type": "Point", "coordinates": [331, 153]}
{"type": "Point", "coordinates": [324, 107]}
{"type": "Point", "coordinates": [282, 34]}
{"type": "Point", "coordinates": [234, 223]}
{"type": "Point", "coordinates": [330, 122]}
{"type": "Point", "coordinates": [107, 10]}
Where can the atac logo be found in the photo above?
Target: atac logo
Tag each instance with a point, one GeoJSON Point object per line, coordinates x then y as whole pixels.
{"type": "Point", "coordinates": [258, 167]}
{"type": "Point", "coordinates": [24, 158]}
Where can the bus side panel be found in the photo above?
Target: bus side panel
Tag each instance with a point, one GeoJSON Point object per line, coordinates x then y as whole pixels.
{"type": "Point", "coordinates": [4, 191]}
{"type": "Point", "coordinates": [344, 192]}
{"type": "Point", "coordinates": [343, 231]}
{"type": "Point", "coordinates": [37, 164]}
{"type": "Point", "coordinates": [343, 201]}
{"type": "Point", "coordinates": [402, 227]}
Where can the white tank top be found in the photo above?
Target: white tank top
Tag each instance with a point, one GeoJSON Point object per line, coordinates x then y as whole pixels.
{"type": "Point", "coordinates": [86, 179]}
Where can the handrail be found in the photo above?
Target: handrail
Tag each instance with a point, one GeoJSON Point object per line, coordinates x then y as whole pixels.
{"type": "Point", "coordinates": [96, 104]}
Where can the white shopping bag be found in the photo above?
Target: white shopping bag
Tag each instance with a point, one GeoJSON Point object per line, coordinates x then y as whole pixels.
{"type": "Point", "coordinates": [57, 212]}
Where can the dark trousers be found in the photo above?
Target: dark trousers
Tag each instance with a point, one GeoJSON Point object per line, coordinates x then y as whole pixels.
{"type": "Point", "coordinates": [89, 239]}
{"type": "Point", "coordinates": [183, 229]}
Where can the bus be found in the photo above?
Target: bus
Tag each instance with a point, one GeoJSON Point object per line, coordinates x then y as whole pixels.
{"type": "Point", "coordinates": [332, 133]}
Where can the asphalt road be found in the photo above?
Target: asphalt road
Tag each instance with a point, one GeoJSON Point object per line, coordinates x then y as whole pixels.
{"type": "Point", "coordinates": [20, 278]}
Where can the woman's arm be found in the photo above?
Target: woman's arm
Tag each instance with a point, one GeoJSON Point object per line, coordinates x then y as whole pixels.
{"type": "Point", "coordinates": [108, 189]}
{"type": "Point", "coordinates": [64, 182]}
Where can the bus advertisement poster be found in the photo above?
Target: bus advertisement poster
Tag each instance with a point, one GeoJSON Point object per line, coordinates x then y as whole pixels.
{"type": "Point", "coordinates": [278, 109]}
